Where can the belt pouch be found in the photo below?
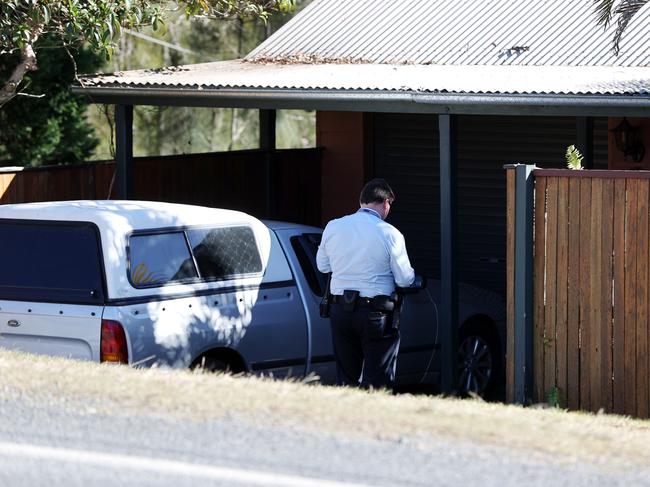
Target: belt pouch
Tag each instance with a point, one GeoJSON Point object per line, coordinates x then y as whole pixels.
{"type": "Point", "coordinates": [350, 300]}
{"type": "Point", "coordinates": [383, 303]}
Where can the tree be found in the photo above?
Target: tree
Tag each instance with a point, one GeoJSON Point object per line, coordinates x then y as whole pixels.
{"type": "Point", "coordinates": [99, 24]}
{"type": "Point", "coordinates": [623, 11]}
{"type": "Point", "coordinates": [48, 129]}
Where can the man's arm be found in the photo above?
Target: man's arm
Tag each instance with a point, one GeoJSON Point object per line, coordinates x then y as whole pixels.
{"type": "Point", "coordinates": [399, 261]}
{"type": "Point", "coordinates": [322, 259]}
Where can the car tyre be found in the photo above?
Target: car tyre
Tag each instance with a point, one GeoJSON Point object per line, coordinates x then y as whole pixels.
{"type": "Point", "coordinates": [479, 365]}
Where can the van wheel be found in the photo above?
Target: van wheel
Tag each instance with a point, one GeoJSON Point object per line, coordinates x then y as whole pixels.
{"type": "Point", "coordinates": [211, 365]}
{"type": "Point", "coordinates": [478, 362]}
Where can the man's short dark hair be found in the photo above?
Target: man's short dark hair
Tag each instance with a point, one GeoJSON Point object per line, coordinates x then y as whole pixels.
{"type": "Point", "coordinates": [376, 191]}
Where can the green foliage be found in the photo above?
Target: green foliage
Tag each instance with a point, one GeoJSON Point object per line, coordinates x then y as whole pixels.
{"type": "Point", "coordinates": [100, 22]}
{"type": "Point", "coordinates": [53, 129]}
{"type": "Point", "coordinates": [555, 398]}
{"type": "Point", "coordinates": [573, 157]}
{"type": "Point", "coordinates": [49, 129]}
{"type": "Point", "coordinates": [623, 11]}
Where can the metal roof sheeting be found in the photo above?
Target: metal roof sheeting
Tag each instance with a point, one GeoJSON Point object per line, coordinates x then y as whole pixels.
{"type": "Point", "coordinates": [417, 78]}
{"type": "Point", "coordinates": [344, 51]}
{"type": "Point", "coordinates": [454, 32]}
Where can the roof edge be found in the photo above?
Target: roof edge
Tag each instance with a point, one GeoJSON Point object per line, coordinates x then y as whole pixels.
{"type": "Point", "coordinates": [376, 101]}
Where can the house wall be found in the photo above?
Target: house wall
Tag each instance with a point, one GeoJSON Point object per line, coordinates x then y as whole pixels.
{"type": "Point", "coordinates": [616, 158]}
{"type": "Point", "coordinates": [341, 135]}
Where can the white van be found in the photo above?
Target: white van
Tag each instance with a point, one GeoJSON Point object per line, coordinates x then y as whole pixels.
{"type": "Point", "coordinates": [150, 283]}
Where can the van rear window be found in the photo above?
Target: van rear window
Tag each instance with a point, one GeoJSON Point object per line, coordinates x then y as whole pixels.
{"type": "Point", "coordinates": [207, 254]}
{"type": "Point", "coordinates": [57, 262]}
{"type": "Point", "coordinates": [160, 258]}
{"type": "Point", "coordinates": [225, 252]}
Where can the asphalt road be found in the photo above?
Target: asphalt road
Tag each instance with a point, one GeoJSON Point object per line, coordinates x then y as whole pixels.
{"type": "Point", "coordinates": [57, 443]}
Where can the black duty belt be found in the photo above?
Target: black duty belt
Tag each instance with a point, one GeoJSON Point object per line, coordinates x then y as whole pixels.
{"type": "Point", "coordinates": [380, 302]}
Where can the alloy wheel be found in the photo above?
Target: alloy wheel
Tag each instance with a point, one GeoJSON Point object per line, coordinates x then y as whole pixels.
{"type": "Point", "coordinates": [474, 365]}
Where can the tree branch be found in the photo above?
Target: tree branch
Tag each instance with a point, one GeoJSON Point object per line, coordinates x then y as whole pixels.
{"type": "Point", "coordinates": [27, 63]}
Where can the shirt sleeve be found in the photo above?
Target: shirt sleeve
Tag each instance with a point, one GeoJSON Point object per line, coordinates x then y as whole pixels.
{"type": "Point", "coordinates": [399, 260]}
{"type": "Point", "coordinates": [322, 259]}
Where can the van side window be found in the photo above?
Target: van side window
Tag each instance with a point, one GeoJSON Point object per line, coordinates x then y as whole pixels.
{"type": "Point", "coordinates": [225, 252]}
{"type": "Point", "coordinates": [157, 259]}
{"type": "Point", "coordinates": [58, 262]}
{"type": "Point", "coordinates": [305, 246]}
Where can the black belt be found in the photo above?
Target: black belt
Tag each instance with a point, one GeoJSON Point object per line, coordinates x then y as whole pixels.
{"type": "Point", "coordinates": [380, 302]}
{"type": "Point", "coordinates": [361, 301]}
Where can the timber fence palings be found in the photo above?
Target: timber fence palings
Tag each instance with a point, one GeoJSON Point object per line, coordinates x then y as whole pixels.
{"type": "Point", "coordinates": [591, 295]}
{"type": "Point", "coordinates": [235, 180]}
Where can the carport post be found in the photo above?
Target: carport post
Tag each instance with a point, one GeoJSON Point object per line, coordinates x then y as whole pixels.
{"type": "Point", "coordinates": [523, 289]}
{"type": "Point", "coordinates": [124, 151]}
{"type": "Point", "coordinates": [448, 311]}
{"type": "Point", "coordinates": [267, 144]}
{"type": "Point", "coordinates": [585, 139]}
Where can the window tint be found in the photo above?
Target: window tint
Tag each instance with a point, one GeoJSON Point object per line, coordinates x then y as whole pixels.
{"type": "Point", "coordinates": [305, 246]}
{"type": "Point", "coordinates": [157, 259]}
{"type": "Point", "coordinates": [50, 262]}
{"type": "Point", "coordinates": [225, 252]}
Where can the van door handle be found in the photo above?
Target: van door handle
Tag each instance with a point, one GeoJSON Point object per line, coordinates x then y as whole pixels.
{"type": "Point", "coordinates": [13, 323]}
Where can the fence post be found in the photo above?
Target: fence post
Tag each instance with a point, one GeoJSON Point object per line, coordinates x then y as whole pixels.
{"type": "Point", "coordinates": [523, 283]}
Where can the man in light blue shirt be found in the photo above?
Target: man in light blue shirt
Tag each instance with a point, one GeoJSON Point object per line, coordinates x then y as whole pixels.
{"type": "Point", "coordinates": [367, 258]}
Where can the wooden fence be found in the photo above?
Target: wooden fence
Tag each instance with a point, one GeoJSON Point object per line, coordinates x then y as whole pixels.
{"type": "Point", "coordinates": [234, 180]}
{"type": "Point", "coordinates": [590, 291]}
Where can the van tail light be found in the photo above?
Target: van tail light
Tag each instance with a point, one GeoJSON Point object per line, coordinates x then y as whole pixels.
{"type": "Point", "coordinates": [113, 343]}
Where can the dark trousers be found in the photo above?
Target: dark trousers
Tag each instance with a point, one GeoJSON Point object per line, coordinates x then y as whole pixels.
{"type": "Point", "coordinates": [364, 346]}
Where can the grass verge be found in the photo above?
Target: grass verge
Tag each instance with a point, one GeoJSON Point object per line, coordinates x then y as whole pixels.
{"type": "Point", "coordinates": [603, 440]}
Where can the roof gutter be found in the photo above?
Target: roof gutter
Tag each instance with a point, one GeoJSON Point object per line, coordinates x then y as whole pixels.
{"type": "Point", "coordinates": [375, 101]}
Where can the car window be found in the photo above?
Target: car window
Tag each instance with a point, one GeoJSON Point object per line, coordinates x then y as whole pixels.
{"type": "Point", "coordinates": [50, 262]}
{"type": "Point", "coordinates": [305, 246]}
{"type": "Point", "coordinates": [160, 258]}
{"type": "Point", "coordinates": [225, 252]}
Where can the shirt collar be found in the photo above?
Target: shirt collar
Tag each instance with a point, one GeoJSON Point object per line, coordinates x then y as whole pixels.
{"type": "Point", "coordinates": [369, 210]}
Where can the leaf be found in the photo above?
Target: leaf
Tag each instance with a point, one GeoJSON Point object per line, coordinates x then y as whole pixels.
{"type": "Point", "coordinates": [573, 157]}
{"type": "Point", "coordinates": [47, 16]}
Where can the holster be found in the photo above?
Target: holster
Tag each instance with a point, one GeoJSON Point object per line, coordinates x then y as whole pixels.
{"type": "Point", "coordinates": [350, 300]}
{"type": "Point", "coordinates": [324, 306]}
{"type": "Point", "coordinates": [398, 300]}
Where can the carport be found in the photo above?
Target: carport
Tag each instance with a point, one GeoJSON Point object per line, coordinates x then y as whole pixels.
{"type": "Point", "coordinates": [283, 74]}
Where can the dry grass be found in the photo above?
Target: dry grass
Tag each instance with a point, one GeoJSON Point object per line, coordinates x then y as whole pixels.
{"type": "Point", "coordinates": [603, 440]}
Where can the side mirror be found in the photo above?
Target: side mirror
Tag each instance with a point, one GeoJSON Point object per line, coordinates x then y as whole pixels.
{"type": "Point", "coordinates": [420, 282]}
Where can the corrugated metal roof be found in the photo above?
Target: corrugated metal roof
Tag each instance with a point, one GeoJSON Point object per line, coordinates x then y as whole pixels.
{"type": "Point", "coordinates": [417, 78]}
{"type": "Point", "coordinates": [454, 32]}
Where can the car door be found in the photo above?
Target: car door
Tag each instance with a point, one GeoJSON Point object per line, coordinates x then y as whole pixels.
{"type": "Point", "coordinates": [51, 288]}
{"type": "Point", "coordinates": [301, 248]}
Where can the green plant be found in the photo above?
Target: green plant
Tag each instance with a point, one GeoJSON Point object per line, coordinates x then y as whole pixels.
{"type": "Point", "coordinates": [573, 157]}
{"type": "Point", "coordinates": [555, 398]}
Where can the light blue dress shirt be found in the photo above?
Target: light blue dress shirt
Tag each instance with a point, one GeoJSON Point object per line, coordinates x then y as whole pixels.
{"type": "Point", "coordinates": [364, 253]}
